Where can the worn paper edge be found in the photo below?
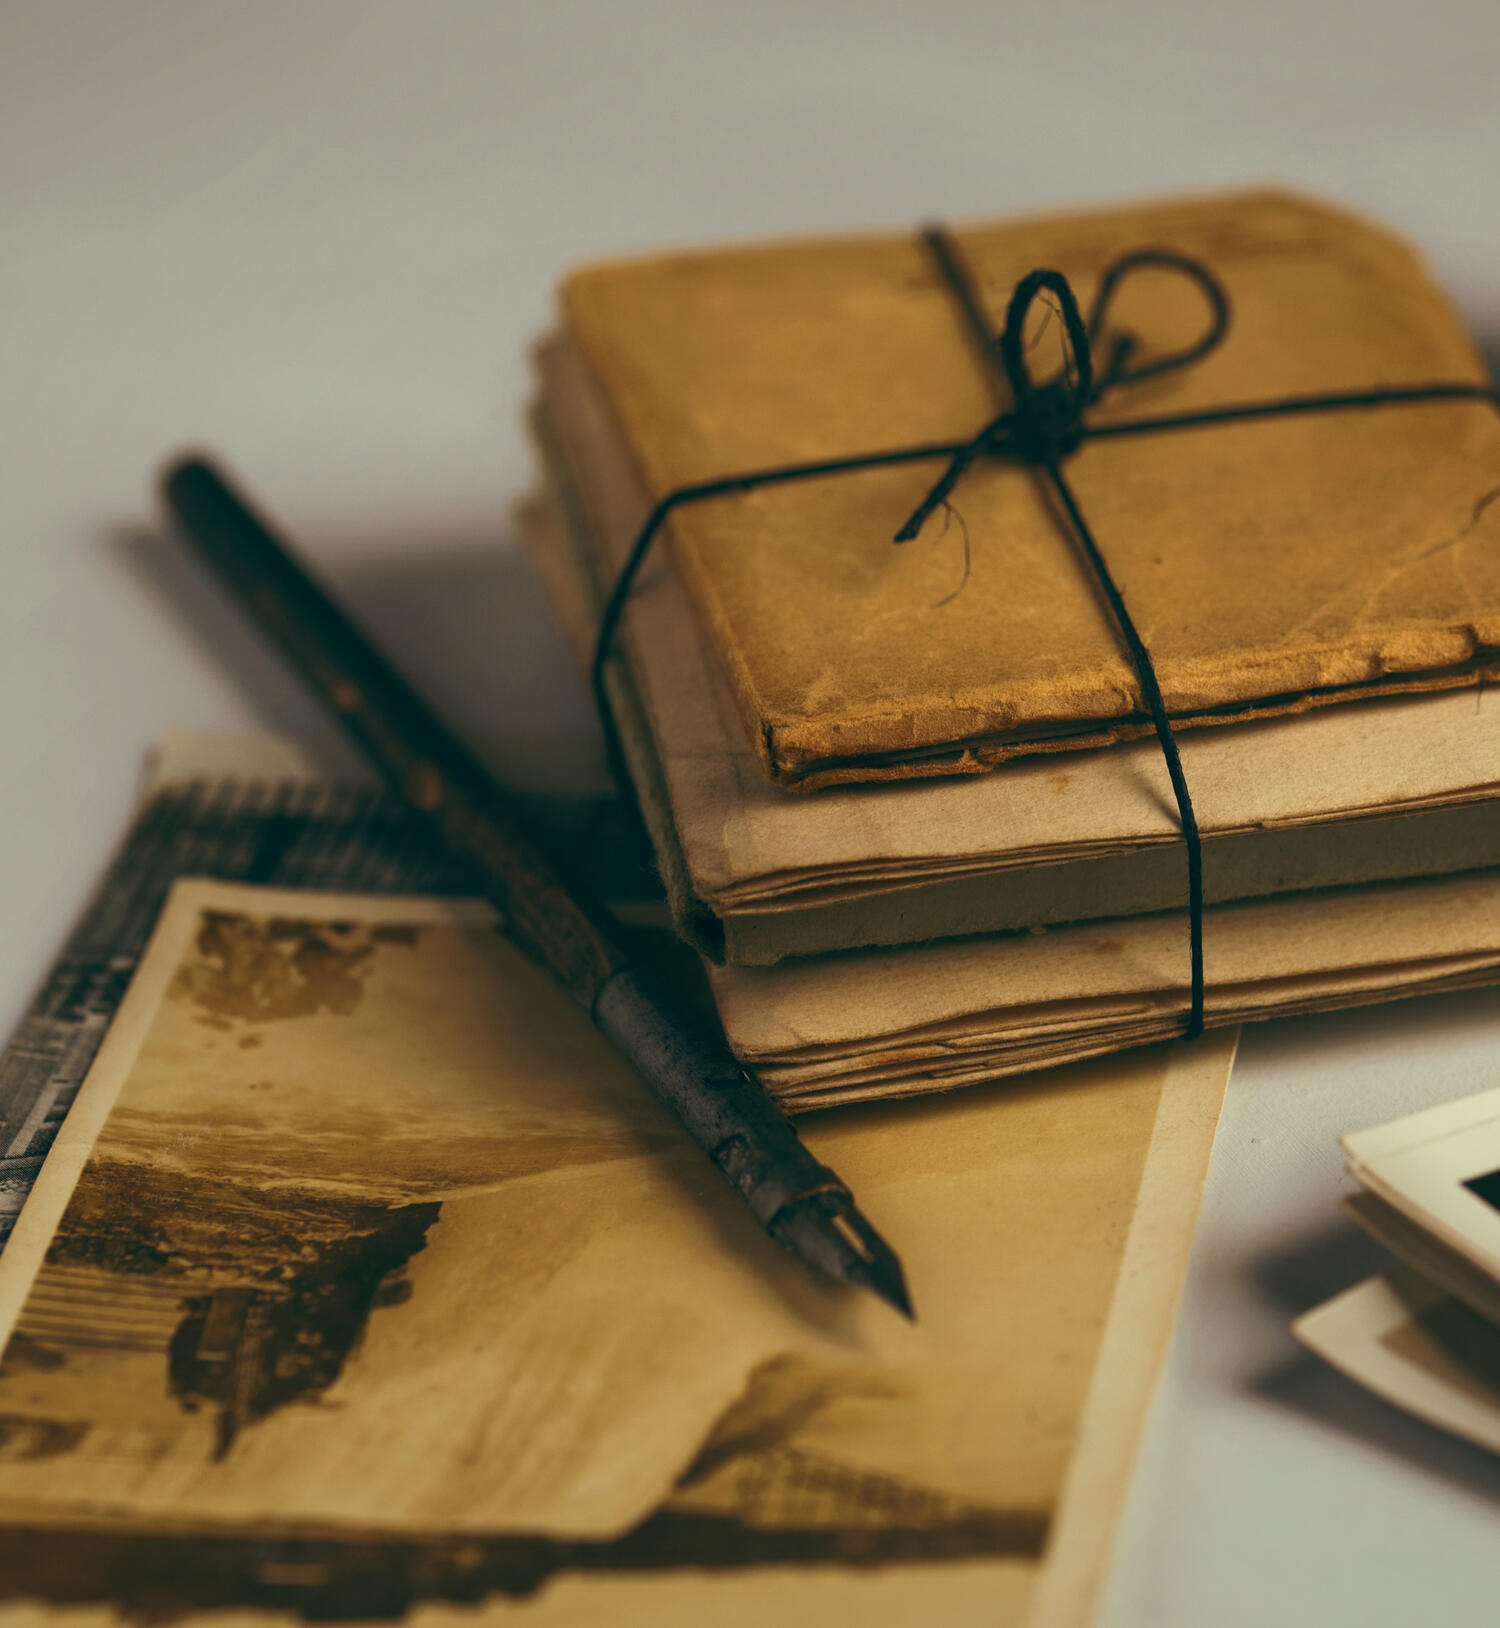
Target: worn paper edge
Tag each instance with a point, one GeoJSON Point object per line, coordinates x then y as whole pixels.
{"type": "Point", "coordinates": [1091, 1504]}
{"type": "Point", "coordinates": [1348, 1332]}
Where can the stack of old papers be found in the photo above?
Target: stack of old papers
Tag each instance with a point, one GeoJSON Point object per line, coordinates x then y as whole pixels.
{"type": "Point", "coordinates": [1426, 1336]}
{"type": "Point", "coordinates": [933, 1016]}
{"type": "Point", "coordinates": [808, 712]}
{"type": "Point", "coordinates": [364, 1280]}
{"type": "Point", "coordinates": [1388, 789]}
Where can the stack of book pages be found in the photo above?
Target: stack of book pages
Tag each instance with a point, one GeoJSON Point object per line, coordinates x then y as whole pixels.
{"type": "Point", "coordinates": [906, 800]}
{"type": "Point", "coordinates": [1426, 1335]}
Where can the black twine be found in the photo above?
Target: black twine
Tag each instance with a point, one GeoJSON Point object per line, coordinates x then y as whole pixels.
{"type": "Point", "coordinates": [1041, 425]}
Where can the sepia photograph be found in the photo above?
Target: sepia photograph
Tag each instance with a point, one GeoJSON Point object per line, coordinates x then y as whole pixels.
{"type": "Point", "coordinates": [317, 1143]}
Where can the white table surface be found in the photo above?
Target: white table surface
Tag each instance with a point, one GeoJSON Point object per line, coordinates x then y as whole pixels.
{"type": "Point", "coordinates": [318, 236]}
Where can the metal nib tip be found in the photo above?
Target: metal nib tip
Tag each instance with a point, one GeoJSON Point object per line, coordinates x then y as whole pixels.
{"type": "Point", "coordinates": [830, 1237]}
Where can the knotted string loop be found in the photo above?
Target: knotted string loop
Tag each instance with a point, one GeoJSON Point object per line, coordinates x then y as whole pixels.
{"type": "Point", "coordinates": [1044, 423]}
{"type": "Point", "coordinates": [1047, 419]}
{"type": "Point", "coordinates": [1118, 369]}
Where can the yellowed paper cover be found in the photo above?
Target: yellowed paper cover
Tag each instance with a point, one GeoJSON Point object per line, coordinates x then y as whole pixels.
{"type": "Point", "coordinates": [1270, 565]}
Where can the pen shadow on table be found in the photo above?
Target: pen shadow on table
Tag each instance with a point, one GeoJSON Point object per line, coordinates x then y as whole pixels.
{"type": "Point", "coordinates": [1324, 1266]}
{"type": "Point", "coordinates": [464, 619]}
{"type": "Point", "coordinates": [461, 616]}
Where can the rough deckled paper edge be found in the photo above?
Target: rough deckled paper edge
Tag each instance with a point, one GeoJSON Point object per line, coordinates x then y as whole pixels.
{"type": "Point", "coordinates": [1153, 1267]}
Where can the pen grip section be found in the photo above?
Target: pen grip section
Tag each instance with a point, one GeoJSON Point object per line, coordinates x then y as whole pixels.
{"type": "Point", "coordinates": [730, 1115]}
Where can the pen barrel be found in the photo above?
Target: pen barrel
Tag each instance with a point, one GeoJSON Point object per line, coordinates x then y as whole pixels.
{"type": "Point", "coordinates": [726, 1112]}
{"type": "Point", "coordinates": [688, 1065]}
{"type": "Point", "coordinates": [419, 757]}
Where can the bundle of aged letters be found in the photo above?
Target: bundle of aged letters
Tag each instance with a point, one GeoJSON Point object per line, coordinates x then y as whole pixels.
{"type": "Point", "coordinates": [905, 797]}
{"type": "Point", "coordinates": [1425, 1335]}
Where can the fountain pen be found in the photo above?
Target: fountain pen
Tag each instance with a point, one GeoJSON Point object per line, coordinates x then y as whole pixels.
{"type": "Point", "coordinates": [798, 1201]}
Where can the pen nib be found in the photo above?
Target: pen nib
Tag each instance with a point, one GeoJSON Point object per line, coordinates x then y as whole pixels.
{"type": "Point", "coordinates": [830, 1237]}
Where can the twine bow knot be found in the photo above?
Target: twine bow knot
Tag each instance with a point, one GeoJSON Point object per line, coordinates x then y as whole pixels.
{"type": "Point", "coordinates": [1042, 424]}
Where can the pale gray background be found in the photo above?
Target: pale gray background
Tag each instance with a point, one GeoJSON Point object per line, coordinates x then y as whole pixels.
{"type": "Point", "coordinates": [318, 237]}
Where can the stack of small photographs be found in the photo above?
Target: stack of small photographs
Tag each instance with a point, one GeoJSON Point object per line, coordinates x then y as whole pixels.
{"type": "Point", "coordinates": [809, 714]}
{"type": "Point", "coordinates": [1426, 1335]}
